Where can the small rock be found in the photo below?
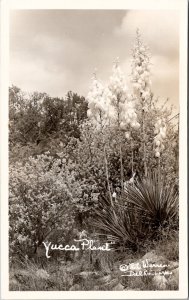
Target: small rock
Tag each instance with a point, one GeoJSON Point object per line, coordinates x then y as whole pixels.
{"type": "Point", "coordinates": [129, 289]}
{"type": "Point", "coordinates": [160, 282]}
{"type": "Point", "coordinates": [173, 265]}
{"type": "Point", "coordinates": [86, 274]}
{"type": "Point", "coordinates": [152, 257]}
{"type": "Point", "coordinates": [72, 269]}
{"type": "Point", "coordinates": [75, 287]}
{"type": "Point", "coordinates": [118, 287]}
{"type": "Point", "coordinates": [109, 283]}
{"type": "Point", "coordinates": [113, 283]}
{"type": "Point", "coordinates": [105, 279]}
{"type": "Point", "coordinates": [42, 274]}
{"type": "Point", "coordinates": [96, 288]}
{"type": "Point", "coordinates": [173, 279]}
{"type": "Point", "coordinates": [175, 273]}
{"type": "Point", "coordinates": [13, 281]}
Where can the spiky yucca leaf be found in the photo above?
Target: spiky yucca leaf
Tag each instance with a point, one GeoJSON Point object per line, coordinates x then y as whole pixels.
{"type": "Point", "coordinates": [156, 199]}
{"type": "Point", "coordinates": [121, 224]}
{"type": "Point", "coordinates": [139, 213]}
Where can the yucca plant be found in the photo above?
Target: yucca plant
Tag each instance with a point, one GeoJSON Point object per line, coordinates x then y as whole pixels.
{"type": "Point", "coordinates": [121, 224]}
{"type": "Point", "coordinates": [138, 215]}
{"type": "Point", "coordinates": [153, 197]}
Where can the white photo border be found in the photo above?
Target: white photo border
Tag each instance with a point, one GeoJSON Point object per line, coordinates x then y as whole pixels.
{"type": "Point", "coordinates": [182, 7]}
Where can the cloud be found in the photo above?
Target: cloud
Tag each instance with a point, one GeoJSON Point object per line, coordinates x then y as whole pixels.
{"type": "Point", "coordinates": [165, 78]}
{"type": "Point", "coordinates": [34, 76]}
{"type": "Point", "coordinates": [160, 29]}
{"type": "Point", "coordinates": [55, 51]}
{"type": "Point", "coordinates": [63, 47]}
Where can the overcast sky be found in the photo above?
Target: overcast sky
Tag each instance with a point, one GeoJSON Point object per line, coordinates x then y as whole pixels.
{"type": "Point", "coordinates": [55, 51]}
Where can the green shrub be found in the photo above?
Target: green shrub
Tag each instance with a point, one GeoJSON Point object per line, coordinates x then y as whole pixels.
{"type": "Point", "coordinates": [42, 194]}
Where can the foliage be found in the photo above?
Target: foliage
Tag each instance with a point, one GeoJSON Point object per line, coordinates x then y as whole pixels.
{"type": "Point", "coordinates": [42, 195]}
{"type": "Point", "coordinates": [168, 244]}
{"type": "Point", "coordinates": [156, 199]}
{"type": "Point", "coordinates": [39, 119]}
{"type": "Point", "coordinates": [122, 224]}
{"type": "Point", "coordinates": [25, 112]}
{"type": "Point", "coordinates": [140, 214]}
{"type": "Point", "coordinates": [87, 153]}
{"type": "Point", "coordinates": [94, 147]}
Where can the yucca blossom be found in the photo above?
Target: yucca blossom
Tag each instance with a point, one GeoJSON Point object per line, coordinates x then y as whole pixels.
{"type": "Point", "coordinates": [140, 74]}
{"type": "Point", "coordinates": [140, 79]}
{"type": "Point", "coordinates": [160, 131]}
{"type": "Point", "coordinates": [121, 103]}
{"type": "Point", "coordinates": [97, 102]}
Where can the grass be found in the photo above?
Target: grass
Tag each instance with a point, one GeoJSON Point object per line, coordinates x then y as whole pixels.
{"type": "Point", "coordinates": [101, 271]}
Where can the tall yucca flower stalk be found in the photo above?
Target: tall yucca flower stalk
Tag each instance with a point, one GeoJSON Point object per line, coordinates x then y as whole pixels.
{"type": "Point", "coordinates": [122, 108]}
{"type": "Point", "coordinates": [141, 85]}
{"type": "Point", "coordinates": [98, 113]}
{"type": "Point", "coordinates": [118, 96]}
{"type": "Point", "coordinates": [160, 131]}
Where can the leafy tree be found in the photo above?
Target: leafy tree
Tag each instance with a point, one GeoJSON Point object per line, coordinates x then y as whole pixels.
{"type": "Point", "coordinates": [25, 115]}
{"type": "Point", "coordinates": [38, 121]}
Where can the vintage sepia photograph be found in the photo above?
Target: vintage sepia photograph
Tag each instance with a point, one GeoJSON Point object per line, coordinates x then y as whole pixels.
{"type": "Point", "coordinates": [94, 116]}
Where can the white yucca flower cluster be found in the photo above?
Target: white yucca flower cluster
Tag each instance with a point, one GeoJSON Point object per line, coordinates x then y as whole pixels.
{"type": "Point", "coordinates": [112, 102]}
{"type": "Point", "coordinates": [117, 85]}
{"type": "Point", "coordinates": [129, 116]}
{"type": "Point", "coordinates": [141, 71]}
{"type": "Point", "coordinates": [160, 131]}
{"type": "Point", "coordinates": [97, 102]}
{"type": "Point", "coordinates": [120, 101]}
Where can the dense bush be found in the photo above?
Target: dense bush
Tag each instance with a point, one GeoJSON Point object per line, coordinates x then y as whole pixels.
{"type": "Point", "coordinates": [42, 196]}
{"type": "Point", "coordinates": [38, 120]}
